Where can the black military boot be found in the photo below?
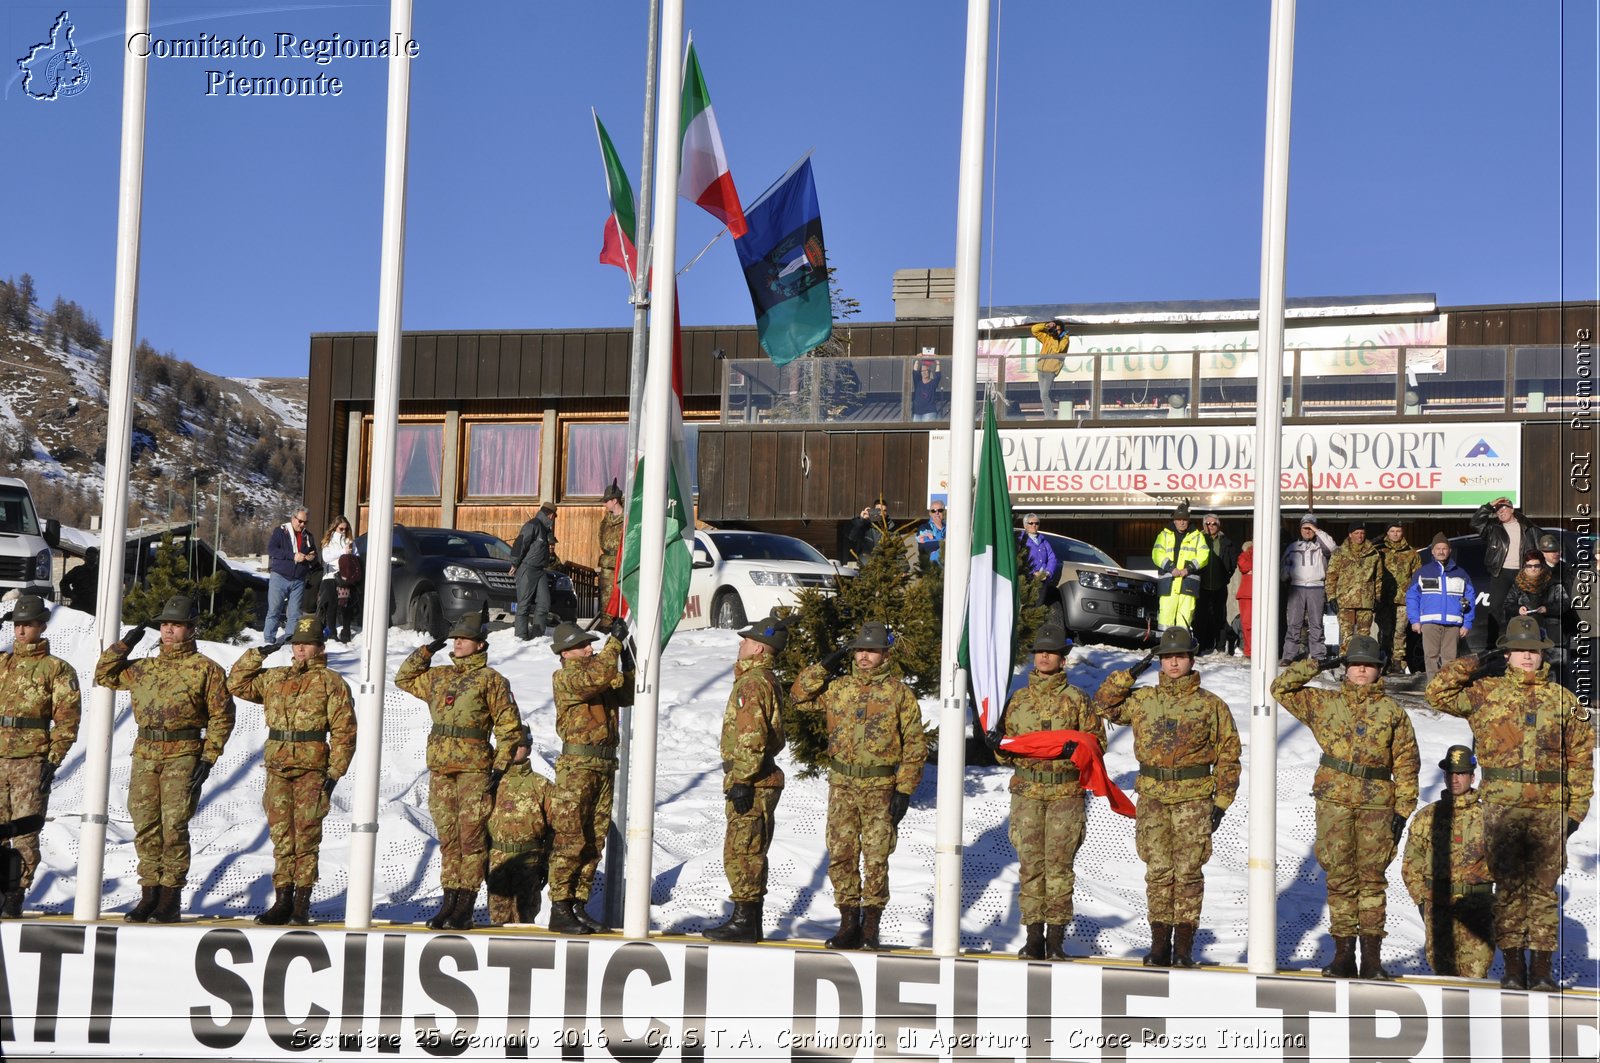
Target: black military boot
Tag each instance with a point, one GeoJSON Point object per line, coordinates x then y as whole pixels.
{"type": "Point", "coordinates": [1033, 948]}
{"type": "Point", "coordinates": [170, 907]}
{"type": "Point", "coordinates": [1344, 959]}
{"type": "Point", "coordinates": [282, 904]}
{"type": "Point", "coordinates": [743, 925]}
{"type": "Point", "coordinates": [1516, 976]}
{"type": "Point", "coordinates": [580, 908]}
{"type": "Point", "coordinates": [563, 920]}
{"type": "Point", "coordinates": [1160, 946]}
{"type": "Point", "coordinates": [466, 906]}
{"type": "Point", "coordinates": [1183, 944]}
{"type": "Point", "coordinates": [1540, 979]}
{"type": "Point", "coordinates": [149, 896]}
{"type": "Point", "coordinates": [849, 935]}
{"type": "Point", "coordinates": [1372, 959]}
{"type": "Point", "coordinates": [302, 906]}
{"type": "Point", "coordinates": [528, 904]}
{"type": "Point", "coordinates": [869, 927]}
{"type": "Point", "coordinates": [447, 910]}
{"type": "Point", "coordinates": [12, 908]}
{"type": "Point", "coordinates": [1053, 933]}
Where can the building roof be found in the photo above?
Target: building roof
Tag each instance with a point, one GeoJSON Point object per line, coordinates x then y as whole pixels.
{"type": "Point", "coordinates": [1191, 311]}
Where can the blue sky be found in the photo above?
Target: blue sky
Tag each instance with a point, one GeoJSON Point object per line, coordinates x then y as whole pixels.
{"type": "Point", "coordinates": [1445, 147]}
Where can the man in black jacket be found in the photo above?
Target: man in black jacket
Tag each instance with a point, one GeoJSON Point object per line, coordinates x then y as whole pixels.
{"type": "Point", "coordinates": [1211, 616]}
{"type": "Point", "coordinates": [531, 557]}
{"type": "Point", "coordinates": [1506, 535]}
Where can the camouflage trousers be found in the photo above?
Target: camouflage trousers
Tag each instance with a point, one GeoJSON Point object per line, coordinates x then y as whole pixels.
{"type": "Point", "coordinates": [608, 582]}
{"type": "Point", "coordinates": [580, 814]}
{"type": "Point", "coordinates": [1047, 835]}
{"type": "Point", "coordinates": [1353, 622]}
{"type": "Point", "coordinates": [516, 880]}
{"type": "Point", "coordinates": [860, 839]}
{"type": "Point", "coordinates": [745, 843]}
{"type": "Point", "coordinates": [1176, 609]}
{"type": "Point", "coordinates": [1174, 841]}
{"type": "Point", "coordinates": [1355, 847]}
{"type": "Point", "coordinates": [160, 806]}
{"type": "Point", "coordinates": [1527, 853]}
{"type": "Point", "coordinates": [20, 796]}
{"type": "Point", "coordinates": [1460, 937]}
{"type": "Point", "coordinates": [1392, 621]}
{"type": "Point", "coordinates": [296, 806]}
{"type": "Point", "coordinates": [459, 803]}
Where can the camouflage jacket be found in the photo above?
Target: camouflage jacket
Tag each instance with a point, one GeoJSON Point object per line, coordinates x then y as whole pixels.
{"type": "Point", "coordinates": [588, 692]}
{"type": "Point", "coordinates": [177, 689]}
{"type": "Point", "coordinates": [1363, 728]}
{"type": "Point", "coordinates": [752, 725]}
{"type": "Point", "coordinates": [37, 685]}
{"type": "Point", "coordinates": [1521, 720]}
{"type": "Point", "coordinates": [1400, 564]}
{"type": "Point", "coordinates": [873, 721]}
{"type": "Point", "coordinates": [469, 695]}
{"type": "Point", "coordinates": [1047, 703]}
{"type": "Point", "coordinates": [1176, 724]}
{"type": "Point", "coordinates": [610, 541]}
{"type": "Point", "coordinates": [521, 808]}
{"type": "Point", "coordinates": [1446, 848]}
{"type": "Point", "coordinates": [305, 696]}
{"type": "Point", "coordinates": [1354, 575]}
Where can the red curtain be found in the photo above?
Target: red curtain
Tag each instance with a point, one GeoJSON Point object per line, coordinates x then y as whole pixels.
{"type": "Point", "coordinates": [595, 456]}
{"type": "Point", "coordinates": [503, 459]}
{"type": "Point", "coordinates": [418, 460]}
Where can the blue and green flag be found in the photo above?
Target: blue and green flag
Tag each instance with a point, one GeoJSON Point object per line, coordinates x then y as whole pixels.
{"type": "Point", "coordinates": [786, 268]}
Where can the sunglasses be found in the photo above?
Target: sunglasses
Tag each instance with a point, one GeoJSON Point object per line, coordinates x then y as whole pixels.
{"type": "Point", "coordinates": [1534, 564]}
{"type": "Point", "coordinates": [1030, 524]}
{"type": "Point", "coordinates": [935, 511]}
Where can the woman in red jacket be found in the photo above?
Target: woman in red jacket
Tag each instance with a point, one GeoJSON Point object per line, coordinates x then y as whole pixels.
{"type": "Point", "coordinates": [1246, 562]}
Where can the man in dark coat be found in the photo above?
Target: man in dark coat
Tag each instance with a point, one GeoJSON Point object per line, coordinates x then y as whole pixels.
{"type": "Point", "coordinates": [1211, 615]}
{"type": "Point", "coordinates": [1506, 535]}
{"type": "Point", "coordinates": [531, 557]}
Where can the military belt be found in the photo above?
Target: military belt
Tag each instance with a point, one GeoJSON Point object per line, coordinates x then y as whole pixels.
{"type": "Point", "coordinates": [444, 730]}
{"type": "Point", "coordinates": [38, 723]}
{"type": "Point", "coordinates": [1360, 771]}
{"type": "Point", "coordinates": [580, 749]}
{"type": "Point", "coordinates": [1193, 771]}
{"type": "Point", "coordinates": [513, 848]}
{"type": "Point", "coordinates": [155, 734]}
{"type": "Point", "coordinates": [1445, 887]}
{"type": "Point", "coordinates": [869, 771]}
{"type": "Point", "coordinates": [1034, 775]}
{"type": "Point", "coordinates": [275, 735]}
{"type": "Point", "coordinates": [1553, 775]}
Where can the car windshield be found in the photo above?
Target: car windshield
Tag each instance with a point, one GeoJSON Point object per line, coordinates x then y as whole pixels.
{"type": "Point", "coordinates": [1076, 552]}
{"type": "Point", "coordinates": [16, 512]}
{"type": "Point", "coordinates": [757, 546]}
{"type": "Point", "coordinates": [461, 544]}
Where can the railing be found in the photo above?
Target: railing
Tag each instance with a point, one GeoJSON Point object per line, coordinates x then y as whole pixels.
{"type": "Point", "coordinates": [1352, 382]}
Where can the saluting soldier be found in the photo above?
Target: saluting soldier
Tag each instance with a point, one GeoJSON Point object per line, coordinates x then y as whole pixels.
{"type": "Point", "coordinates": [181, 705]}
{"type": "Point", "coordinates": [1365, 790]}
{"type": "Point", "coordinates": [1536, 745]}
{"type": "Point", "coordinates": [311, 736]}
{"type": "Point", "coordinates": [590, 689]}
{"type": "Point", "coordinates": [1446, 871]}
{"type": "Point", "coordinates": [1355, 578]}
{"type": "Point", "coordinates": [752, 738]}
{"type": "Point", "coordinates": [40, 703]}
{"type": "Point", "coordinates": [1048, 814]}
{"type": "Point", "coordinates": [876, 750]}
{"type": "Point", "coordinates": [519, 840]}
{"type": "Point", "coordinates": [1187, 746]}
{"type": "Point", "coordinates": [468, 701]}
{"type": "Point", "coordinates": [611, 529]}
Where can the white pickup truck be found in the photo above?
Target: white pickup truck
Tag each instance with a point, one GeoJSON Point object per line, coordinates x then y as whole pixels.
{"type": "Point", "coordinates": [25, 544]}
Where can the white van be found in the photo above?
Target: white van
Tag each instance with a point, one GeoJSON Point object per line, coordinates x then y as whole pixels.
{"type": "Point", "coordinates": [25, 545]}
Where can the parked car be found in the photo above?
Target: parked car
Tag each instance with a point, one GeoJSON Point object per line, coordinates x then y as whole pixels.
{"type": "Point", "coordinates": [440, 575]}
{"type": "Point", "coordinates": [1469, 554]}
{"type": "Point", "coordinates": [1101, 600]}
{"type": "Point", "coordinates": [238, 584]}
{"type": "Point", "coordinates": [25, 542]}
{"type": "Point", "coordinates": [743, 574]}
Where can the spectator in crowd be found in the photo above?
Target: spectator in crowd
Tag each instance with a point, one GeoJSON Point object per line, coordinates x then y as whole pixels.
{"type": "Point", "coordinates": [337, 541]}
{"type": "Point", "coordinates": [1246, 593]}
{"type": "Point", "coordinates": [531, 557]}
{"type": "Point", "coordinates": [1565, 627]}
{"type": "Point", "coordinates": [1053, 340]}
{"type": "Point", "coordinates": [1506, 536]}
{"type": "Point", "coordinates": [1180, 553]}
{"type": "Point", "coordinates": [1400, 564]}
{"type": "Point", "coordinates": [867, 529]}
{"type": "Point", "coordinates": [926, 402]}
{"type": "Point", "coordinates": [1042, 562]}
{"type": "Point", "coordinates": [1537, 593]}
{"type": "Point", "coordinates": [930, 537]}
{"type": "Point", "coordinates": [1305, 569]}
{"type": "Point", "coordinates": [1354, 578]}
{"type": "Point", "coordinates": [1439, 606]}
{"type": "Point", "coordinates": [1211, 614]}
{"type": "Point", "coordinates": [80, 588]}
{"type": "Point", "coordinates": [291, 553]}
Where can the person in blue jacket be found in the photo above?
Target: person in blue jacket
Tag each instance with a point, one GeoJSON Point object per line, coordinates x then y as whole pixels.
{"type": "Point", "coordinates": [1439, 606]}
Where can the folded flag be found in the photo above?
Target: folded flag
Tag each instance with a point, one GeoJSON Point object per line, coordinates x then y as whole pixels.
{"type": "Point", "coordinates": [1090, 761]}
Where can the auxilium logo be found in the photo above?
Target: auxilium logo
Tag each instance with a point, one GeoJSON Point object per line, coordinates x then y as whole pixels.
{"type": "Point", "coordinates": [54, 69]}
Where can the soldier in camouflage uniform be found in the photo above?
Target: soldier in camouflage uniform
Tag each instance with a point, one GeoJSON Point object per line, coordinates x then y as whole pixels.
{"type": "Point", "coordinates": [611, 529]}
{"type": "Point", "coordinates": [1366, 789]}
{"type": "Point", "coordinates": [467, 701]}
{"type": "Point", "coordinates": [1187, 746]}
{"type": "Point", "coordinates": [311, 736]}
{"type": "Point", "coordinates": [1446, 871]}
{"type": "Point", "coordinates": [1400, 562]}
{"type": "Point", "coordinates": [589, 690]}
{"type": "Point", "coordinates": [40, 701]}
{"type": "Point", "coordinates": [876, 749]}
{"type": "Point", "coordinates": [752, 737]}
{"type": "Point", "coordinates": [1047, 798]}
{"type": "Point", "coordinates": [184, 714]}
{"type": "Point", "coordinates": [1535, 742]}
{"type": "Point", "coordinates": [519, 840]}
{"type": "Point", "coordinates": [1354, 579]}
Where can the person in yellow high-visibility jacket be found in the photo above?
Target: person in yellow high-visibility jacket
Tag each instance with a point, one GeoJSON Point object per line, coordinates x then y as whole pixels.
{"type": "Point", "coordinates": [1180, 553]}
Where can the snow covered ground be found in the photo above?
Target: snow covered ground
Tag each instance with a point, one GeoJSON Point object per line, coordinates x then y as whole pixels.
{"type": "Point", "coordinates": [232, 859]}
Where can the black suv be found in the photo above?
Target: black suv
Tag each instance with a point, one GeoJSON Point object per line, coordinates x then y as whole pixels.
{"type": "Point", "coordinates": [1101, 600]}
{"type": "Point", "coordinates": [441, 575]}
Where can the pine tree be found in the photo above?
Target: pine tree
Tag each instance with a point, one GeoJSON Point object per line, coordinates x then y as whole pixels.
{"type": "Point", "coordinates": [25, 300]}
{"type": "Point", "coordinates": [169, 574]}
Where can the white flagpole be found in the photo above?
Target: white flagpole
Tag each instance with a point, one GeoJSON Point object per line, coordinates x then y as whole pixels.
{"type": "Point", "coordinates": [1262, 935]}
{"type": "Point", "coordinates": [654, 442]}
{"type": "Point", "coordinates": [114, 503]}
{"type": "Point", "coordinates": [380, 514]}
{"type": "Point", "coordinates": [957, 551]}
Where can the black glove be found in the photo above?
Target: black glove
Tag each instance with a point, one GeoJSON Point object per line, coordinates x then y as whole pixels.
{"type": "Point", "coordinates": [834, 663]}
{"type": "Point", "coordinates": [619, 629]}
{"type": "Point", "coordinates": [1217, 812]}
{"type": "Point", "coordinates": [328, 784]}
{"type": "Point", "coordinates": [1330, 663]}
{"type": "Point", "coordinates": [1572, 827]}
{"type": "Point", "coordinates": [495, 775]}
{"type": "Point", "coordinates": [197, 779]}
{"type": "Point", "coordinates": [135, 635]}
{"type": "Point", "coordinates": [1142, 663]}
{"type": "Point", "coordinates": [742, 796]}
{"type": "Point", "coordinates": [625, 661]}
{"type": "Point", "coordinates": [47, 776]}
{"type": "Point", "coordinates": [1333, 603]}
{"type": "Point", "coordinates": [1398, 826]}
{"type": "Point", "coordinates": [1067, 749]}
{"type": "Point", "coordinates": [898, 803]}
{"type": "Point", "coordinates": [270, 648]}
{"type": "Point", "coordinates": [436, 645]}
{"type": "Point", "coordinates": [26, 825]}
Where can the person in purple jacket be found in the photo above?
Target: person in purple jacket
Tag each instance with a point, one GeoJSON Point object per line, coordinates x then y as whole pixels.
{"type": "Point", "coordinates": [1042, 560]}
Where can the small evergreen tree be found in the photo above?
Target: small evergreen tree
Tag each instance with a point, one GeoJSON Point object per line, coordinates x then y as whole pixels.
{"type": "Point", "coordinates": [169, 574]}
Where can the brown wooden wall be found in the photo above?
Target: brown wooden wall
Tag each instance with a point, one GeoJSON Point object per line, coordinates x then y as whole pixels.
{"type": "Point", "coordinates": [764, 474]}
{"type": "Point", "coordinates": [1538, 323]}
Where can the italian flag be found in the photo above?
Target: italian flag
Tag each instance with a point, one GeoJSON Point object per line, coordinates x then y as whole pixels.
{"type": "Point", "coordinates": [703, 177]}
{"type": "Point", "coordinates": [617, 247]}
{"type": "Point", "coordinates": [988, 644]}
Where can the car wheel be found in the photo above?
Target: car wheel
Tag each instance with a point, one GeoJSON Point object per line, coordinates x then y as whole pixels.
{"type": "Point", "coordinates": [427, 615]}
{"type": "Point", "coordinates": [727, 611]}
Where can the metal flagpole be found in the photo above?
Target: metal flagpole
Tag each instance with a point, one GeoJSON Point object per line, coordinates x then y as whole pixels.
{"type": "Point", "coordinates": [1263, 878]}
{"type": "Point", "coordinates": [114, 504]}
{"type": "Point", "coordinates": [380, 514]}
{"type": "Point", "coordinates": [957, 550]}
{"type": "Point", "coordinates": [653, 527]}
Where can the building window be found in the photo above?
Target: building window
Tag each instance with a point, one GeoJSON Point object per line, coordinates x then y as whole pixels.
{"type": "Point", "coordinates": [418, 460]}
{"type": "Point", "coordinates": [503, 459]}
{"type": "Point", "coordinates": [595, 455]}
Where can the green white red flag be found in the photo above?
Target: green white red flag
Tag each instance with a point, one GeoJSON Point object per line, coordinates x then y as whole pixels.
{"type": "Point", "coordinates": [988, 644]}
{"type": "Point", "coordinates": [703, 176]}
{"type": "Point", "coordinates": [617, 245]}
